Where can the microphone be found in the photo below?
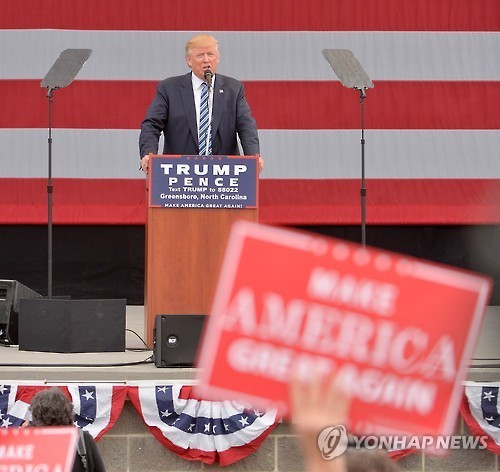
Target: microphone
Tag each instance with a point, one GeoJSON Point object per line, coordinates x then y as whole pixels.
{"type": "Point", "coordinates": [208, 77]}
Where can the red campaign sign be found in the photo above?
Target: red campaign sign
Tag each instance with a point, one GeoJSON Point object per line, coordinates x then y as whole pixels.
{"type": "Point", "coordinates": [397, 332]}
{"type": "Point", "coordinates": [38, 448]}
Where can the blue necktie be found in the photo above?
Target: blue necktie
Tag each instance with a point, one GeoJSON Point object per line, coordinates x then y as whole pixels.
{"type": "Point", "coordinates": [204, 140]}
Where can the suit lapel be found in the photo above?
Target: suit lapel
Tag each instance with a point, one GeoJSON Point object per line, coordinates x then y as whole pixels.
{"type": "Point", "coordinates": [187, 97]}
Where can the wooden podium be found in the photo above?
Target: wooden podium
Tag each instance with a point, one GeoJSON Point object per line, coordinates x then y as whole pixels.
{"type": "Point", "coordinates": [185, 245]}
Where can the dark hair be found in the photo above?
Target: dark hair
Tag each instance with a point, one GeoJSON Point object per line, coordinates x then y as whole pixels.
{"type": "Point", "coordinates": [51, 408]}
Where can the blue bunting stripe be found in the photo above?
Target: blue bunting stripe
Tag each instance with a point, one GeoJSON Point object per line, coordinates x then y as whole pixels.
{"type": "Point", "coordinates": [192, 423]}
{"type": "Point", "coordinates": [489, 405]}
{"type": "Point", "coordinates": [97, 407]}
{"type": "Point", "coordinates": [10, 413]}
{"type": "Point", "coordinates": [85, 404]}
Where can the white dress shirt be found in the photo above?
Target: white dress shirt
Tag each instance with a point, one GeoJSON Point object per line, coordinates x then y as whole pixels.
{"type": "Point", "coordinates": [197, 86]}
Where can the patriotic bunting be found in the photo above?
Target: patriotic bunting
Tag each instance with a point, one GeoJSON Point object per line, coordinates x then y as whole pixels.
{"type": "Point", "coordinates": [481, 411]}
{"type": "Point", "coordinates": [96, 408]}
{"type": "Point", "coordinates": [207, 431]}
{"type": "Point", "coordinates": [196, 429]}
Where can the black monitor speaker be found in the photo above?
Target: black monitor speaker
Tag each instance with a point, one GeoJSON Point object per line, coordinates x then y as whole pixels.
{"type": "Point", "coordinates": [176, 339]}
{"type": "Point", "coordinates": [63, 325]}
{"type": "Point", "coordinates": [11, 292]}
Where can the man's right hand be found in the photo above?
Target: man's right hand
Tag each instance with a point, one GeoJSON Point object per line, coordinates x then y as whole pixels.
{"type": "Point", "coordinates": [145, 164]}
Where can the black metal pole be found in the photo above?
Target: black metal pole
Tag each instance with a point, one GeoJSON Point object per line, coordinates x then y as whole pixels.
{"type": "Point", "coordinates": [49, 199]}
{"type": "Point", "coordinates": [363, 187]}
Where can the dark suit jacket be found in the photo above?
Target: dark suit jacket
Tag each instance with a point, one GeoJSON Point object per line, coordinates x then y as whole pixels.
{"type": "Point", "coordinates": [173, 112]}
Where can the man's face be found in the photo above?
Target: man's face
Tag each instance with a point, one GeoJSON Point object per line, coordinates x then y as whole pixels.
{"type": "Point", "coordinates": [201, 58]}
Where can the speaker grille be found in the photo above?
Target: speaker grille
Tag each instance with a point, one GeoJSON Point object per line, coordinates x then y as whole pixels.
{"type": "Point", "coordinates": [176, 339]}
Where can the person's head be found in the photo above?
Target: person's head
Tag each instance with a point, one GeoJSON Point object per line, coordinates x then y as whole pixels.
{"type": "Point", "coordinates": [202, 53]}
{"type": "Point", "coordinates": [51, 408]}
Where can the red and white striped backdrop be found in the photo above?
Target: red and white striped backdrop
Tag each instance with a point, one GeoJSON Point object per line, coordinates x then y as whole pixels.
{"type": "Point", "coordinates": [432, 121]}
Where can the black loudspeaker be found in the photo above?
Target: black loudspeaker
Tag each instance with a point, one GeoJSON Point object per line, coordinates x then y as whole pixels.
{"type": "Point", "coordinates": [58, 325]}
{"type": "Point", "coordinates": [11, 292]}
{"type": "Point", "coordinates": [176, 339]}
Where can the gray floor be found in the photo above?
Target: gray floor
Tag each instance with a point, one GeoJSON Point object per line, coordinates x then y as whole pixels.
{"type": "Point", "coordinates": [126, 366]}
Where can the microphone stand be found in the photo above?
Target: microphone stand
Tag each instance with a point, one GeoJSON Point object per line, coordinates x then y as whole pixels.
{"type": "Point", "coordinates": [363, 187]}
{"type": "Point", "coordinates": [61, 74]}
{"type": "Point", "coordinates": [352, 75]}
{"type": "Point", "coordinates": [210, 111]}
{"type": "Point", "coordinates": [49, 197]}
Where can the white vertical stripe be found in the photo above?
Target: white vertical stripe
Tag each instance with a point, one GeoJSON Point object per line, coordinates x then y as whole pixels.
{"type": "Point", "coordinates": [289, 154]}
{"type": "Point", "coordinates": [153, 55]}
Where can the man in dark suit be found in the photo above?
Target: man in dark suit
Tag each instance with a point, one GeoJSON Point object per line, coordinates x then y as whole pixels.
{"type": "Point", "coordinates": [175, 110]}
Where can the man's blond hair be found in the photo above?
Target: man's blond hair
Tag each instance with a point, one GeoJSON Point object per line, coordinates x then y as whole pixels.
{"type": "Point", "coordinates": [201, 41]}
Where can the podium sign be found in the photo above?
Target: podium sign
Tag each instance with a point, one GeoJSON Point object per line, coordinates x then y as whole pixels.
{"type": "Point", "coordinates": [395, 331]}
{"type": "Point", "coordinates": [203, 181]}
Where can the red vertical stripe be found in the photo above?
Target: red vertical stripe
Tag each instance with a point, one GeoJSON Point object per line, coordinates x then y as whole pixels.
{"type": "Point", "coordinates": [303, 105]}
{"type": "Point", "coordinates": [255, 15]}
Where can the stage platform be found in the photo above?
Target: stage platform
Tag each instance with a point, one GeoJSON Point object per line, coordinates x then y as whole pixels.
{"type": "Point", "coordinates": [135, 364]}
